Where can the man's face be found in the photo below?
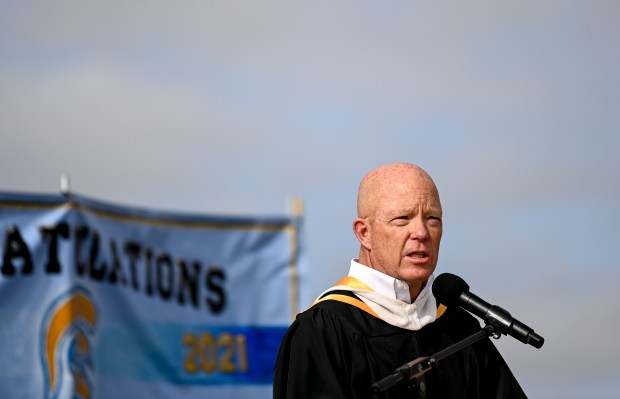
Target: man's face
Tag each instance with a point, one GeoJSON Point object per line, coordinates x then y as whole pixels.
{"type": "Point", "coordinates": [406, 227]}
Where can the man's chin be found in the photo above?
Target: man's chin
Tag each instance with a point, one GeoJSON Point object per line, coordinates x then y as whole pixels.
{"type": "Point", "coordinates": [417, 275]}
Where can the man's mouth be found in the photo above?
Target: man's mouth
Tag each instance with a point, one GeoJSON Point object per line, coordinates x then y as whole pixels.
{"type": "Point", "coordinates": [418, 255]}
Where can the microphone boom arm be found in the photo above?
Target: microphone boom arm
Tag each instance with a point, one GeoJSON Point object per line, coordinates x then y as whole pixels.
{"type": "Point", "coordinates": [417, 367]}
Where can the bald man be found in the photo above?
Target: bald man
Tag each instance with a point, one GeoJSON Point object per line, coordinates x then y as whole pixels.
{"type": "Point", "coordinates": [383, 313]}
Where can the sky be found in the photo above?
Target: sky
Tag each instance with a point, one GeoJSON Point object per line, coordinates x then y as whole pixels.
{"type": "Point", "coordinates": [235, 107]}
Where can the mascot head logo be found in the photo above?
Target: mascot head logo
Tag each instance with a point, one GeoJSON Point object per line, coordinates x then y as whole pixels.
{"type": "Point", "coordinates": [65, 350]}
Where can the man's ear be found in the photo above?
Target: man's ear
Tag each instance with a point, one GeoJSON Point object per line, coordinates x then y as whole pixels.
{"type": "Point", "coordinates": [362, 231]}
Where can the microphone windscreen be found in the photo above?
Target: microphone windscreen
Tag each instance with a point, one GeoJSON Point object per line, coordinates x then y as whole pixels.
{"type": "Point", "coordinates": [447, 288]}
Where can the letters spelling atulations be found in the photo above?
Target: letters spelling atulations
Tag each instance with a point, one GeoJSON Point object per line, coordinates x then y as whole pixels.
{"type": "Point", "coordinates": [131, 265]}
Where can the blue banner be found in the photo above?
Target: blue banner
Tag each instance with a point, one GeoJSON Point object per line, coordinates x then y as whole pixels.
{"type": "Point", "coordinates": [103, 301]}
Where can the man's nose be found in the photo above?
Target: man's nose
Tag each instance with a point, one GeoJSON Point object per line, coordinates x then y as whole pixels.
{"type": "Point", "coordinates": [418, 229]}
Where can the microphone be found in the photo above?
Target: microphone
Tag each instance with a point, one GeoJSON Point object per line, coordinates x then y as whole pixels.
{"type": "Point", "coordinates": [451, 290]}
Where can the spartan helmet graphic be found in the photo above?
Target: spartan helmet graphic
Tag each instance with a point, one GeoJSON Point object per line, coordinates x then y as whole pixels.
{"type": "Point", "coordinates": [65, 348]}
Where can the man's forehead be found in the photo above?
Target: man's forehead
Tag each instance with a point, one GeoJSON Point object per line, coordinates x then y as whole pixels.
{"type": "Point", "coordinates": [409, 202]}
{"type": "Point", "coordinates": [396, 183]}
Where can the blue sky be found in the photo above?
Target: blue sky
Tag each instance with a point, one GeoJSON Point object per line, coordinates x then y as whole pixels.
{"type": "Point", "coordinates": [231, 107]}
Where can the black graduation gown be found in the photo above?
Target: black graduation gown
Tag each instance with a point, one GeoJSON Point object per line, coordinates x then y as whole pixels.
{"type": "Point", "coordinates": [337, 351]}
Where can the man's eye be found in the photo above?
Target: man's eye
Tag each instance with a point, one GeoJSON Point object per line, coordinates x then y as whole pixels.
{"type": "Point", "coordinates": [435, 219]}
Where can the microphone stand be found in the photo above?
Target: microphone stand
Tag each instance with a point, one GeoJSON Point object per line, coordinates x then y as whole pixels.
{"type": "Point", "coordinates": [417, 367]}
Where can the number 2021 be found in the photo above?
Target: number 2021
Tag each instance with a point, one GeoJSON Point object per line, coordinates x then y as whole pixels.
{"type": "Point", "coordinates": [224, 353]}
